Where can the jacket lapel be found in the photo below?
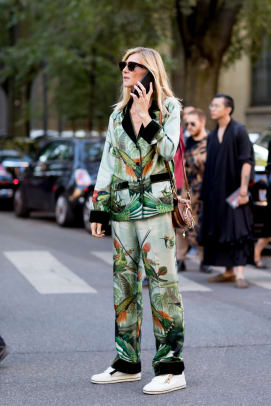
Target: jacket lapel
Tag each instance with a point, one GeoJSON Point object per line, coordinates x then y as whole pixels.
{"type": "Point", "coordinates": [127, 122]}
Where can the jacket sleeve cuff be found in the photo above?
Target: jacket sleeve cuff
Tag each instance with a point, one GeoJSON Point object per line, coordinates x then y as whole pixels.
{"type": "Point", "coordinates": [150, 130]}
{"type": "Point", "coordinates": [98, 216]}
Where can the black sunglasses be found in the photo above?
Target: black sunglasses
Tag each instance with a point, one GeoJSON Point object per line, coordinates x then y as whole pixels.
{"type": "Point", "coordinates": [130, 65]}
{"type": "Point", "coordinates": [190, 123]}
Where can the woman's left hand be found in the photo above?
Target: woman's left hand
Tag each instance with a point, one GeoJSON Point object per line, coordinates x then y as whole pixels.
{"type": "Point", "coordinates": [142, 103]}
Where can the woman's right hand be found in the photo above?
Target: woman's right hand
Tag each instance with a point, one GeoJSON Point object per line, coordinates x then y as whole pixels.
{"type": "Point", "coordinates": [96, 230]}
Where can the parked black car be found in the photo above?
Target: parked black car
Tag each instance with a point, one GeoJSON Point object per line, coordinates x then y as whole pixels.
{"type": "Point", "coordinates": [12, 164]}
{"type": "Point", "coordinates": [57, 181]}
{"type": "Point", "coordinates": [260, 189]}
{"type": "Point", "coordinates": [7, 185]}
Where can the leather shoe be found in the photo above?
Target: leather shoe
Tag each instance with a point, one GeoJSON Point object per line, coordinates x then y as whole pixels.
{"type": "Point", "coordinates": [222, 278]}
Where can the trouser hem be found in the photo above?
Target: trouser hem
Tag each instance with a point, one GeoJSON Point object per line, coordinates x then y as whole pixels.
{"type": "Point", "coordinates": [126, 367]}
{"type": "Point", "coordinates": [174, 368]}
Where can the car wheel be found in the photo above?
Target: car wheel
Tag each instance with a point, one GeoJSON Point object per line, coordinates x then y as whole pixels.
{"type": "Point", "coordinates": [63, 211]}
{"type": "Point", "coordinates": [19, 205]}
{"type": "Point", "coordinates": [86, 213]}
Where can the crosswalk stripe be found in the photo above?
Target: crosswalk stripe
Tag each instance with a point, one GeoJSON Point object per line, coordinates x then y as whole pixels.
{"type": "Point", "coordinates": [186, 284]}
{"type": "Point", "coordinates": [258, 277]}
{"type": "Point", "coordinates": [46, 274]}
{"type": "Point", "coordinates": [105, 256]}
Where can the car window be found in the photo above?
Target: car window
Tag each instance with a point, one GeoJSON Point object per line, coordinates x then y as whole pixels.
{"type": "Point", "coordinates": [261, 156]}
{"type": "Point", "coordinates": [264, 140]}
{"type": "Point", "coordinates": [93, 151]}
{"type": "Point", "coordinates": [62, 151]}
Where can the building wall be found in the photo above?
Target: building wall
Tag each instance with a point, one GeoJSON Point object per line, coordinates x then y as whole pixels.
{"type": "Point", "coordinates": [237, 82]}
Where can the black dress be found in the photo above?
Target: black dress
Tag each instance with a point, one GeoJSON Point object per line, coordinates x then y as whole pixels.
{"type": "Point", "coordinates": [226, 233]}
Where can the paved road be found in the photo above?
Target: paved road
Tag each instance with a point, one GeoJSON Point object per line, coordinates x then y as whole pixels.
{"type": "Point", "coordinates": [57, 317]}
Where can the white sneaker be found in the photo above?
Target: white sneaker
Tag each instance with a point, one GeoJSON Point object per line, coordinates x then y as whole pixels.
{"type": "Point", "coordinates": [165, 383]}
{"type": "Point", "coordinates": [111, 375]}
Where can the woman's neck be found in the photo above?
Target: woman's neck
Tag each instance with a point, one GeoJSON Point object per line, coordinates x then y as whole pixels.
{"type": "Point", "coordinates": [132, 108]}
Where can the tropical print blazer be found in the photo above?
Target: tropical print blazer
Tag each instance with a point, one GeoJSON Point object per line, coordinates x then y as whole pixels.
{"type": "Point", "coordinates": [132, 181]}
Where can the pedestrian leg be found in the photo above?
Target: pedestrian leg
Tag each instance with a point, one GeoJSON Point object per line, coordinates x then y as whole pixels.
{"type": "Point", "coordinates": [182, 247]}
{"type": "Point", "coordinates": [240, 278]}
{"type": "Point", "coordinates": [259, 246]}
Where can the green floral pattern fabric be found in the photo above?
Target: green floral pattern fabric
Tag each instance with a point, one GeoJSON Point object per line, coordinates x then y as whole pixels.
{"type": "Point", "coordinates": [134, 163]}
{"type": "Point", "coordinates": [150, 242]}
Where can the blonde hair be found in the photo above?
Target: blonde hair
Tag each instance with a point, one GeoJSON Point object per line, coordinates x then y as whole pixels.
{"type": "Point", "coordinates": [153, 62]}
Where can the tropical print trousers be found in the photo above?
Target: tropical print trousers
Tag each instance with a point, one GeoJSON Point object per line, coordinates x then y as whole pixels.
{"type": "Point", "coordinates": [150, 242]}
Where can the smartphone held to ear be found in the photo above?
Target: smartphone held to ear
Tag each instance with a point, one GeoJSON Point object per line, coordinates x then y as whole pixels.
{"type": "Point", "coordinates": [145, 81]}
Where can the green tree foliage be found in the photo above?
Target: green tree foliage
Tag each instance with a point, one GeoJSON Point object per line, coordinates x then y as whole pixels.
{"type": "Point", "coordinates": [79, 42]}
{"type": "Point", "coordinates": [215, 33]}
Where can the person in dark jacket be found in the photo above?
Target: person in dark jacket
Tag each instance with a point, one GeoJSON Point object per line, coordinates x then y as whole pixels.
{"type": "Point", "coordinates": [195, 158]}
{"type": "Point", "coordinates": [225, 229]}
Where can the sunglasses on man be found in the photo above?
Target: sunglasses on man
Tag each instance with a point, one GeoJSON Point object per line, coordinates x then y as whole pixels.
{"type": "Point", "coordinates": [130, 65]}
{"type": "Point", "coordinates": [188, 123]}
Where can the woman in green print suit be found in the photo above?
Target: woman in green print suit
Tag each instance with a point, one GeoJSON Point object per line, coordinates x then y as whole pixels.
{"type": "Point", "coordinates": [133, 188]}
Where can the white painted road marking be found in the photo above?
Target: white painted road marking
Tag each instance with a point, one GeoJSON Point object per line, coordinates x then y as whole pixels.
{"type": "Point", "coordinates": [258, 277]}
{"type": "Point", "coordinates": [186, 284]}
{"type": "Point", "coordinates": [46, 273]}
{"type": "Point", "coordinates": [105, 256]}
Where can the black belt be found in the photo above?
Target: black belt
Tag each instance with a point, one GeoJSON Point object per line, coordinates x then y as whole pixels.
{"type": "Point", "coordinates": [159, 177]}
